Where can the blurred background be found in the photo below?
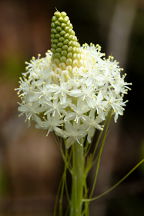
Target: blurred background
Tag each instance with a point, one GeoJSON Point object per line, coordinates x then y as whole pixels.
{"type": "Point", "coordinates": [30, 163]}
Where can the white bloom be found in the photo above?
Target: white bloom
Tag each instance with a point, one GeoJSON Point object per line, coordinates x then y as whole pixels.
{"type": "Point", "coordinates": [72, 100]}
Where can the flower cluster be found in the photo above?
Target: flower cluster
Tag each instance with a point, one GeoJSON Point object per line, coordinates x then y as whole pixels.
{"type": "Point", "coordinates": [71, 90]}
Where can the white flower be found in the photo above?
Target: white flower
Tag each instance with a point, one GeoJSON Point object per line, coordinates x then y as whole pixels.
{"type": "Point", "coordinates": [72, 96]}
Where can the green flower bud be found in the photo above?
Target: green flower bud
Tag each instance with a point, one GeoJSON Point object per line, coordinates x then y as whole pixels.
{"type": "Point", "coordinates": [58, 50]}
{"type": "Point", "coordinates": [64, 53]}
{"type": "Point", "coordinates": [57, 23]}
{"type": "Point", "coordinates": [63, 59]}
{"type": "Point", "coordinates": [54, 46]}
{"type": "Point", "coordinates": [61, 39]}
{"type": "Point", "coordinates": [57, 14]}
{"type": "Point", "coordinates": [63, 14]}
{"type": "Point", "coordinates": [63, 25]}
{"type": "Point", "coordinates": [62, 32]}
{"type": "Point", "coordinates": [75, 62]}
{"type": "Point", "coordinates": [56, 35]}
{"type": "Point", "coordinates": [69, 55]}
{"type": "Point", "coordinates": [55, 41]}
{"type": "Point", "coordinates": [57, 55]}
{"type": "Point", "coordinates": [64, 43]}
{"type": "Point", "coordinates": [61, 19]}
{"type": "Point", "coordinates": [67, 29]}
{"type": "Point", "coordinates": [56, 61]}
{"type": "Point", "coordinates": [53, 30]}
{"type": "Point", "coordinates": [52, 25]}
{"type": "Point", "coordinates": [70, 48]}
{"type": "Point", "coordinates": [66, 19]}
{"type": "Point", "coordinates": [58, 28]}
{"type": "Point", "coordinates": [69, 61]}
{"type": "Point", "coordinates": [62, 65]}
{"type": "Point", "coordinates": [65, 47]}
{"type": "Point", "coordinates": [60, 44]}
{"type": "Point", "coordinates": [54, 19]}
{"type": "Point", "coordinates": [67, 35]}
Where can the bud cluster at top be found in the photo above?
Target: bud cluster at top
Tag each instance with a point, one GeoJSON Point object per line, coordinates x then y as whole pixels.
{"type": "Point", "coordinates": [64, 44]}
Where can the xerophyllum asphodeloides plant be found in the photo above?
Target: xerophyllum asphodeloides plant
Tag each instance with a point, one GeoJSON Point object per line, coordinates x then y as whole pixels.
{"type": "Point", "coordinates": [73, 92]}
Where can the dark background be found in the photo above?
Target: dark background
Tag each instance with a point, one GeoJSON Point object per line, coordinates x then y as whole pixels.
{"type": "Point", "coordinates": [30, 163]}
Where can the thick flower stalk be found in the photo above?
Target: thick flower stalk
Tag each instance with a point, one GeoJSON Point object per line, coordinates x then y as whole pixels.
{"type": "Point", "coordinates": [70, 92]}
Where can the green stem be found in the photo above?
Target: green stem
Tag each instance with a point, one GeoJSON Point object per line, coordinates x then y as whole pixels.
{"type": "Point", "coordinates": [117, 184]}
{"type": "Point", "coordinates": [101, 151]}
{"type": "Point", "coordinates": [77, 180]}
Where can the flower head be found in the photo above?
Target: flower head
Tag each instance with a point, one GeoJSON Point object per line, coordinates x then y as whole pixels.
{"type": "Point", "coordinates": [72, 89]}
